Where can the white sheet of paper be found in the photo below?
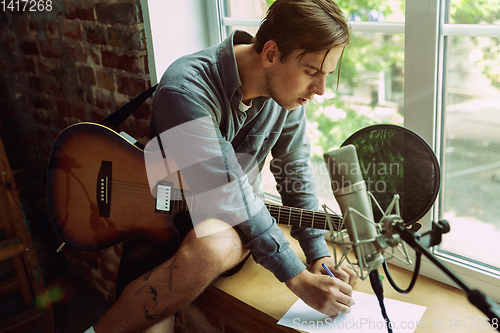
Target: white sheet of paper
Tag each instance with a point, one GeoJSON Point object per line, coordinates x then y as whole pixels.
{"type": "Point", "coordinates": [365, 316]}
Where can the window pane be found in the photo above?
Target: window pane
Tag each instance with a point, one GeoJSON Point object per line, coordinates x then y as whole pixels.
{"type": "Point", "coordinates": [472, 149]}
{"type": "Point", "coordinates": [370, 92]}
{"type": "Point", "coordinates": [362, 10]}
{"type": "Point", "coordinates": [374, 11]}
{"type": "Point", "coordinates": [475, 11]}
{"type": "Point", "coordinates": [370, 89]}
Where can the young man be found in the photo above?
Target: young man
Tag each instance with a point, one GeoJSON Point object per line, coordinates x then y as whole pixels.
{"type": "Point", "coordinates": [200, 106]}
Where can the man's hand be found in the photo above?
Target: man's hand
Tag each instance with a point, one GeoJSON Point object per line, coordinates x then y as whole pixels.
{"type": "Point", "coordinates": [345, 272]}
{"type": "Point", "coordinates": [322, 292]}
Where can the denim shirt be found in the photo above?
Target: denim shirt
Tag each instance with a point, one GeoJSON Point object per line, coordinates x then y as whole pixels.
{"type": "Point", "coordinates": [199, 94]}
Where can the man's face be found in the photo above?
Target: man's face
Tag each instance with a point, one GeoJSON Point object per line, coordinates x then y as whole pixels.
{"type": "Point", "coordinates": [298, 79]}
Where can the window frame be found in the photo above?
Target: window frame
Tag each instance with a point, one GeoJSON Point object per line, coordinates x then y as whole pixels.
{"type": "Point", "coordinates": [425, 31]}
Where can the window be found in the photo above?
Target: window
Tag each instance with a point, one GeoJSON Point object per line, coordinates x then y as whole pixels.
{"type": "Point", "coordinates": [371, 84]}
{"type": "Point", "coordinates": [470, 140]}
{"type": "Point", "coordinates": [431, 65]}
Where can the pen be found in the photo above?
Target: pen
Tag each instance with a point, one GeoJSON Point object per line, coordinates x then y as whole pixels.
{"type": "Point", "coordinates": [330, 273]}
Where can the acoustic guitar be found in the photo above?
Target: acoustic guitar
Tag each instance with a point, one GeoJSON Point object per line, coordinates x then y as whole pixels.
{"type": "Point", "coordinates": [98, 192]}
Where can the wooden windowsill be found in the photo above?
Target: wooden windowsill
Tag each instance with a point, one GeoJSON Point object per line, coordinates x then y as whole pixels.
{"type": "Point", "coordinates": [253, 300]}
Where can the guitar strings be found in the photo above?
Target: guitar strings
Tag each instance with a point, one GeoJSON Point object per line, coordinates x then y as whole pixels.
{"type": "Point", "coordinates": [295, 216]}
{"type": "Point", "coordinates": [291, 215]}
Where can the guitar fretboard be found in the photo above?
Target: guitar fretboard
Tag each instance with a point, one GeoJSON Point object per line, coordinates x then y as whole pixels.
{"type": "Point", "coordinates": [299, 217]}
{"type": "Point", "coordinates": [295, 217]}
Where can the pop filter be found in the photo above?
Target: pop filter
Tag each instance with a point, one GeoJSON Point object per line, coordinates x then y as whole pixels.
{"type": "Point", "coordinates": [396, 160]}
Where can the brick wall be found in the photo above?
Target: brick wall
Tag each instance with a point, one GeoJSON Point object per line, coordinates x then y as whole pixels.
{"type": "Point", "coordinates": [77, 62]}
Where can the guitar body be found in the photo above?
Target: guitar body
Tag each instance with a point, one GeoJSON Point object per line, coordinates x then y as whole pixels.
{"type": "Point", "coordinates": [98, 192]}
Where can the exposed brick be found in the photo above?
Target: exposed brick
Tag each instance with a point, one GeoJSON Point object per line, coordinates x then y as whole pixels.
{"type": "Point", "coordinates": [126, 37]}
{"type": "Point", "coordinates": [29, 65]}
{"type": "Point", "coordinates": [36, 26]}
{"type": "Point", "coordinates": [52, 87]}
{"type": "Point", "coordinates": [80, 112]}
{"type": "Point", "coordinates": [96, 56]}
{"type": "Point", "coordinates": [8, 109]}
{"type": "Point", "coordinates": [74, 10]}
{"type": "Point", "coordinates": [14, 68]}
{"type": "Point", "coordinates": [47, 103]}
{"type": "Point", "coordinates": [10, 44]}
{"type": "Point", "coordinates": [130, 63]}
{"type": "Point", "coordinates": [61, 122]}
{"type": "Point", "coordinates": [70, 14]}
{"type": "Point", "coordinates": [96, 35]}
{"type": "Point", "coordinates": [86, 75]}
{"type": "Point", "coordinates": [93, 259]}
{"type": "Point", "coordinates": [67, 74]}
{"type": "Point", "coordinates": [88, 95]}
{"type": "Point", "coordinates": [105, 101]}
{"type": "Point", "coordinates": [52, 48]}
{"type": "Point", "coordinates": [63, 107]}
{"type": "Point", "coordinates": [107, 274]}
{"type": "Point", "coordinates": [112, 13]}
{"type": "Point", "coordinates": [143, 129]}
{"type": "Point", "coordinates": [76, 53]}
{"type": "Point", "coordinates": [23, 28]}
{"type": "Point", "coordinates": [106, 80]}
{"type": "Point", "coordinates": [29, 48]}
{"type": "Point", "coordinates": [42, 117]}
{"type": "Point", "coordinates": [4, 66]}
{"type": "Point", "coordinates": [130, 86]}
{"type": "Point", "coordinates": [73, 30]}
{"type": "Point", "coordinates": [36, 83]}
{"type": "Point", "coordinates": [56, 75]}
{"type": "Point", "coordinates": [44, 67]}
{"type": "Point", "coordinates": [52, 29]}
{"type": "Point", "coordinates": [98, 114]}
{"type": "Point", "coordinates": [85, 14]}
{"type": "Point", "coordinates": [36, 102]}
{"type": "Point", "coordinates": [69, 88]}
{"type": "Point", "coordinates": [144, 111]}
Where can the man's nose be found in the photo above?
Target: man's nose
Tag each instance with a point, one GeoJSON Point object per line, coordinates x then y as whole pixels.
{"type": "Point", "coordinates": [318, 87]}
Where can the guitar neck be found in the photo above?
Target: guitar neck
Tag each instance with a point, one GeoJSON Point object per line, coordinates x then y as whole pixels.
{"type": "Point", "coordinates": [295, 217]}
{"type": "Point", "coordinates": [299, 217]}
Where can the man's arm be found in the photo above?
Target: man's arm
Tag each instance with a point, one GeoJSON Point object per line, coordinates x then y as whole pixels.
{"type": "Point", "coordinates": [296, 181]}
{"type": "Point", "coordinates": [217, 178]}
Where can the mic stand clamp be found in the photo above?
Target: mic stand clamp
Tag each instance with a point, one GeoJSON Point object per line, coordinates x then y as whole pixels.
{"type": "Point", "coordinates": [435, 235]}
{"type": "Point", "coordinates": [420, 243]}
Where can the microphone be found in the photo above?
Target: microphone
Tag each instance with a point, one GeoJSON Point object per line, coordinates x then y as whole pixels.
{"type": "Point", "coordinates": [351, 193]}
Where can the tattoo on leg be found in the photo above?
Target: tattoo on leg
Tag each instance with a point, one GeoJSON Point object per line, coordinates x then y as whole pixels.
{"type": "Point", "coordinates": [148, 313]}
{"type": "Point", "coordinates": [235, 242]}
{"type": "Point", "coordinates": [171, 267]}
{"type": "Point", "coordinates": [148, 275]}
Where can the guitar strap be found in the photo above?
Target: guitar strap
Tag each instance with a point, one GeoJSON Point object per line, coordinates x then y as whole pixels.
{"type": "Point", "coordinates": [243, 132]}
{"type": "Point", "coordinates": [119, 116]}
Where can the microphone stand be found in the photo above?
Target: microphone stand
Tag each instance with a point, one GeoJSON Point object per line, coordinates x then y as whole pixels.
{"type": "Point", "coordinates": [420, 243]}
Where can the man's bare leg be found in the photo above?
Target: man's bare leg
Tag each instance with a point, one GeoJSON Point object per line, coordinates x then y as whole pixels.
{"type": "Point", "coordinates": [166, 325]}
{"type": "Point", "coordinates": [161, 292]}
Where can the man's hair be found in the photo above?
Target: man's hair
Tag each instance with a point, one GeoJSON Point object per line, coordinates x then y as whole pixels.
{"type": "Point", "coordinates": [309, 25]}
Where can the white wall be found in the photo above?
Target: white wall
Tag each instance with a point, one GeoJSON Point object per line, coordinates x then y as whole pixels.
{"type": "Point", "coordinates": [177, 28]}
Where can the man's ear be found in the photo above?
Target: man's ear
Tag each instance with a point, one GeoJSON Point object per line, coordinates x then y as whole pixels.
{"type": "Point", "coordinates": [270, 54]}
